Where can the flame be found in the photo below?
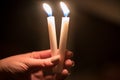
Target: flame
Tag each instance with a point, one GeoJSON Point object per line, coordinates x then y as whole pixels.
{"type": "Point", "coordinates": [47, 9]}
{"type": "Point", "coordinates": [64, 9]}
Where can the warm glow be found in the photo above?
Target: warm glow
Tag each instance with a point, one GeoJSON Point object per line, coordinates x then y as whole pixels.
{"type": "Point", "coordinates": [64, 9]}
{"type": "Point", "coordinates": [47, 9]}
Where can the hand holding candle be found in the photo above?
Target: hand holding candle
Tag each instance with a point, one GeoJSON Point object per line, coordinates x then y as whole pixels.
{"type": "Point", "coordinates": [63, 34]}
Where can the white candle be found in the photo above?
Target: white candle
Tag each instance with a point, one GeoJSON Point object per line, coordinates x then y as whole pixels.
{"type": "Point", "coordinates": [51, 29]}
{"type": "Point", "coordinates": [63, 35]}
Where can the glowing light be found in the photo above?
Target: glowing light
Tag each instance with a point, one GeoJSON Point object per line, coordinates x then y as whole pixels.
{"type": "Point", "coordinates": [47, 9]}
{"type": "Point", "coordinates": [64, 9]}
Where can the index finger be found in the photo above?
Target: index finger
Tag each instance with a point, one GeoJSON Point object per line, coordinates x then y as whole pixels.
{"type": "Point", "coordinates": [68, 54]}
{"type": "Point", "coordinates": [41, 54]}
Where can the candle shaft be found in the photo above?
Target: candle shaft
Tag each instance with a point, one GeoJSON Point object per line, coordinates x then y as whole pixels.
{"type": "Point", "coordinates": [63, 41]}
{"type": "Point", "coordinates": [52, 34]}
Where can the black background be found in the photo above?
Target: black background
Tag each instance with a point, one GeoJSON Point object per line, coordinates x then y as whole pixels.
{"type": "Point", "coordinates": [94, 33]}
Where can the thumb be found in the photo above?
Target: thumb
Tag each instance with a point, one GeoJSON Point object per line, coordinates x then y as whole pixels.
{"type": "Point", "coordinates": [44, 62]}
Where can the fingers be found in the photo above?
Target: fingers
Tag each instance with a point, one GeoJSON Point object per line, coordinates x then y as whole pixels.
{"type": "Point", "coordinates": [62, 75]}
{"type": "Point", "coordinates": [65, 72]}
{"type": "Point", "coordinates": [42, 63]}
{"type": "Point", "coordinates": [47, 61]}
{"type": "Point", "coordinates": [55, 59]}
{"type": "Point", "coordinates": [42, 59]}
{"type": "Point", "coordinates": [40, 76]}
{"type": "Point", "coordinates": [69, 63]}
{"type": "Point", "coordinates": [41, 54]}
{"type": "Point", "coordinates": [47, 53]}
{"type": "Point", "coordinates": [37, 75]}
{"type": "Point", "coordinates": [68, 54]}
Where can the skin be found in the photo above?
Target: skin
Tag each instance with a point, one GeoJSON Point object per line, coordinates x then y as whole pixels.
{"type": "Point", "coordinates": [34, 66]}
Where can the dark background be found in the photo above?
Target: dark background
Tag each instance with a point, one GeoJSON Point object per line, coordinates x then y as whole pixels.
{"type": "Point", "coordinates": [94, 34]}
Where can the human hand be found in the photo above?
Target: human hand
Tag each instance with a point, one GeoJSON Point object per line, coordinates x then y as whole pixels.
{"type": "Point", "coordinates": [31, 66]}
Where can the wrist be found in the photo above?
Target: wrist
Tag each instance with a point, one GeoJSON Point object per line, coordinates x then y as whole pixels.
{"type": "Point", "coordinates": [1, 66]}
{"type": "Point", "coordinates": [1, 71]}
{"type": "Point", "coordinates": [3, 74]}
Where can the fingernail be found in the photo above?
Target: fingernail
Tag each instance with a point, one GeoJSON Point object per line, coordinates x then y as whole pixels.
{"type": "Point", "coordinates": [69, 54]}
{"type": "Point", "coordinates": [73, 64]}
{"type": "Point", "coordinates": [55, 59]}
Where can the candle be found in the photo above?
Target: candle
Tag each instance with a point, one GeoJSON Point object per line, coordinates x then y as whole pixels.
{"type": "Point", "coordinates": [63, 35]}
{"type": "Point", "coordinates": [51, 29]}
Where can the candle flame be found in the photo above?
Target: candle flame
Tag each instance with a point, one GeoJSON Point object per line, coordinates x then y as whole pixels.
{"type": "Point", "coordinates": [64, 9]}
{"type": "Point", "coordinates": [47, 9]}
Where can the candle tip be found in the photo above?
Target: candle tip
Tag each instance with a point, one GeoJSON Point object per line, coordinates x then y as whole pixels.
{"type": "Point", "coordinates": [64, 9]}
{"type": "Point", "coordinates": [47, 9]}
